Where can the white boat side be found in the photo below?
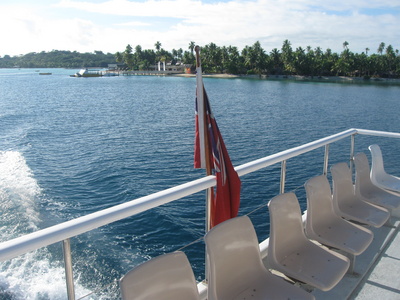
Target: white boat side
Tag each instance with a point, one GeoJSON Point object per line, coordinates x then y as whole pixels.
{"type": "Point", "coordinates": [384, 242]}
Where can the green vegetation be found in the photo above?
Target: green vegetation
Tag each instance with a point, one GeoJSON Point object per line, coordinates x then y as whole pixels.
{"type": "Point", "coordinates": [251, 60]}
{"type": "Point", "coordinates": [58, 59]}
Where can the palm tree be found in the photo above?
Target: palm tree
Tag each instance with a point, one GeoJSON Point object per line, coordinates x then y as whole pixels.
{"type": "Point", "coordinates": [345, 45]}
{"type": "Point", "coordinates": [287, 56]}
{"type": "Point", "coordinates": [390, 58]}
{"type": "Point", "coordinates": [191, 46]}
{"type": "Point", "coordinates": [128, 49]}
{"type": "Point", "coordinates": [128, 56]}
{"type": "Point", "coordinates": [381, 48]}
{"type": "Point", "coordinates": [300, 62]}
{"type": "Point", "coordinates": [212, 57]}
{"type": "Point", "coordinates": [118, 57]}
{"type": "Point", "coordinates": [180, 53]}
{"type": "Point", "coordinates": [175, 54]}
{"type": "Point", "coordinates": [138, 49]}
{"type": "Point", "coordinates": [157, 45]}
{"type": "Point", "coordinates": [366, 51]}
{"type": "Point", "coordinates": [276, 60]}
{"type": "Point", "coordinates": [233, 65]}
{"type": "Point", "coordinates": [390, 51]}
{"type": "Point", "coordinates": [256, 58]}
{"type": "Point", "coordinates": [319, 60]}
{"type": "Point", "coordinates": [343, 65]}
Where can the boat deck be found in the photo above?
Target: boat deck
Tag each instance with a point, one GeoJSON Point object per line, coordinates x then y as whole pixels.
{"type": "Point", "coordinates": [383, 281]}
{"type": "Point", "coordinates": [376, 270]}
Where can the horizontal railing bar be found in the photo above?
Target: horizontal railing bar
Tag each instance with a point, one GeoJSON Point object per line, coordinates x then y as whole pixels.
{"type": "Point", "coordinates": [62, 231]}
{"type": "Point", "coordinates": [379, 133]}
{"type": "Point", "coordinates": [59, 232]}
{"type": "Point", "coordinates": [286, 154]}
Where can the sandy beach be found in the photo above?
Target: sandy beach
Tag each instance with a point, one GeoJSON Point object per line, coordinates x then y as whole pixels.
{"type": "Point", "coordinates": [343, 79]}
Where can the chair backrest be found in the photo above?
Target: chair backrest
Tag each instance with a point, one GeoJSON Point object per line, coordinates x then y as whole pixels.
{"type": "Point", "coordinates": [234, 257]}
{"type": "Point", "coordinates": [343, 188]}
{"type": "Point", "coordinates": [363, 182]}
{"type": "Point", "coordinates": [166, 277]}
{"type": "Point", "coordinates": [286, 226]}
{"type": "Point", "coordinates": [319, 204]}
{"type": "Point", "coordinates": [377, 168]}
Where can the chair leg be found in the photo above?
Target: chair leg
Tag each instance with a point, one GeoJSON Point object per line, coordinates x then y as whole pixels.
{"type": "Point", "coordinates": [352, 258]}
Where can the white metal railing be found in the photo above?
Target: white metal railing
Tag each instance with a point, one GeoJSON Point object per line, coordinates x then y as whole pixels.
{"type": "Point", "coordinates": [64, 231]}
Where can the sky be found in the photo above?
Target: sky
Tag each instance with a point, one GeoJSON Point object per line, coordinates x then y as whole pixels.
{"type": "Point", "coordinates": [110, 25]}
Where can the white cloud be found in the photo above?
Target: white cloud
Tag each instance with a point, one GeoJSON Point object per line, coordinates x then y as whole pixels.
{"type": "Point", "coordinates": [150, 8]}
{"type": "Point", "coordinates": [134, 24]}
{"type": "Point", "coordinates": [303, 22]}
{"type": "Point", "coordinates": [112, 24]}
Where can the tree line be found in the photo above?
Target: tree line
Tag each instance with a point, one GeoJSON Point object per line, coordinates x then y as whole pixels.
{"type": "Point", "coordinates": [58, 59]}
{"type": "Point", "coordinates": [301, 61]}
{"type": "Point", "coordinates": [228, 59]}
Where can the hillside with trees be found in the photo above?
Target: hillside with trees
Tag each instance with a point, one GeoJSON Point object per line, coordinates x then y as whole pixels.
{"type": "Point", "coordinates": [253, 59]}
{"type": "Point", "coordinates": [58, 59]}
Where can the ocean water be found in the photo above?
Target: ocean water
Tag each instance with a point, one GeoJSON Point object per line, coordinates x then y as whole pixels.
{"type": "Point", "coordinates": [73, 146]}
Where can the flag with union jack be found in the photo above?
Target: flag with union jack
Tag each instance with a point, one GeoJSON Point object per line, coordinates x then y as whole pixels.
{"type": "Point", "coordinates": [210, 146]}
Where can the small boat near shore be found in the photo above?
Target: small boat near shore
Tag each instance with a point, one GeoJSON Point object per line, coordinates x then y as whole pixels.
{"type": "Point", "coordinates": [46, 73]}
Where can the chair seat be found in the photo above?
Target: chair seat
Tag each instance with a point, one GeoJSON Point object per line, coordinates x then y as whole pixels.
{"type": "Point", "coordinates": [314, 265]}
{"type": "Point", "coordinates": [325, 226]}
{"type": "Point", "coordinates": [390, 183]}
{"type": "Point", "coordinates": [347, 205]}
{"type": "Point", "coordinates": [364, 213]}
{"type": "Point", "coordinates": [269, 286]}
{"type": "Point", "coordinates": [293, 254]}
{"type": "Point", "coordinates": [381, 198]}
{"type": "Point", "coordinates": [343, 235]}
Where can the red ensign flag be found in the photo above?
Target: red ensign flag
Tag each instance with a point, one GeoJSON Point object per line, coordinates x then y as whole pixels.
{"type": "Point", "coordinates": [226, 201]}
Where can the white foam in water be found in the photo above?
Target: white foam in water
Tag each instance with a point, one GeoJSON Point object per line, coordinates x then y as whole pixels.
{"type": "Point", "coordinates": [33, 275]}
{"type": "Point", "coordinates": [18, 192]}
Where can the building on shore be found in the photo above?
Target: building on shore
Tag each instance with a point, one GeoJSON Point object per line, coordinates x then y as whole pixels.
{"type": "Point", "coordinates": [161, 68]}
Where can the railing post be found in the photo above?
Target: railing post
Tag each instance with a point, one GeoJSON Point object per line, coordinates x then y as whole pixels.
{"type": "Point", "coordinates": [283, 176]}
{"type": "Point", "coordinates": [326, 159]}
{"type": "Point", "coordinates": [68, 269]}
{"type": "Point", "coordinates": [352, 153]}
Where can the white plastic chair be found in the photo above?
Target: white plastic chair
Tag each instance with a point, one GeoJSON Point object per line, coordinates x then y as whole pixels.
{"type": "Point", "coordinates": [326, 227]}
{"type": "Point", "coordinates": [236, 270]}
{"type": "Point", "coordinates": [291, 253]}
{"type": "Point", "coordinates": [365, 189]}
{"type": "Point", "coordinates": [347, 205]}
{"type": "Point", "coordinates": [378, 175]}
{"type": "Point", "coordinates": [166, 277]}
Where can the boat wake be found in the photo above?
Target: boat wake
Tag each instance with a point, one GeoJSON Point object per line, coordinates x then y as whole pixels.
{"type": "Point", "coordinates": [37, 274]}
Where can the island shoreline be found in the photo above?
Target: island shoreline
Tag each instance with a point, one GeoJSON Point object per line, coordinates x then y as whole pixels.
{"type": "Point", "coordinates": [342, 79]}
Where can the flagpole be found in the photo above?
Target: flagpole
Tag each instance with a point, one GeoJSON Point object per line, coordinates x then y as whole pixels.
{"type": "Point", "coordinates": [206, 153]}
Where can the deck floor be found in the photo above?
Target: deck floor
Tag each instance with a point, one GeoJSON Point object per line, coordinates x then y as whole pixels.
{"type": "Point", "coordinates": [384, 280]}
{"type": "Point", "coordinates": [376, 271]}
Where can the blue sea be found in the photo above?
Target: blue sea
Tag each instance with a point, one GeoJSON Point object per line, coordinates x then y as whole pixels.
{"type": "Point", "coordinates": [73, 146]}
